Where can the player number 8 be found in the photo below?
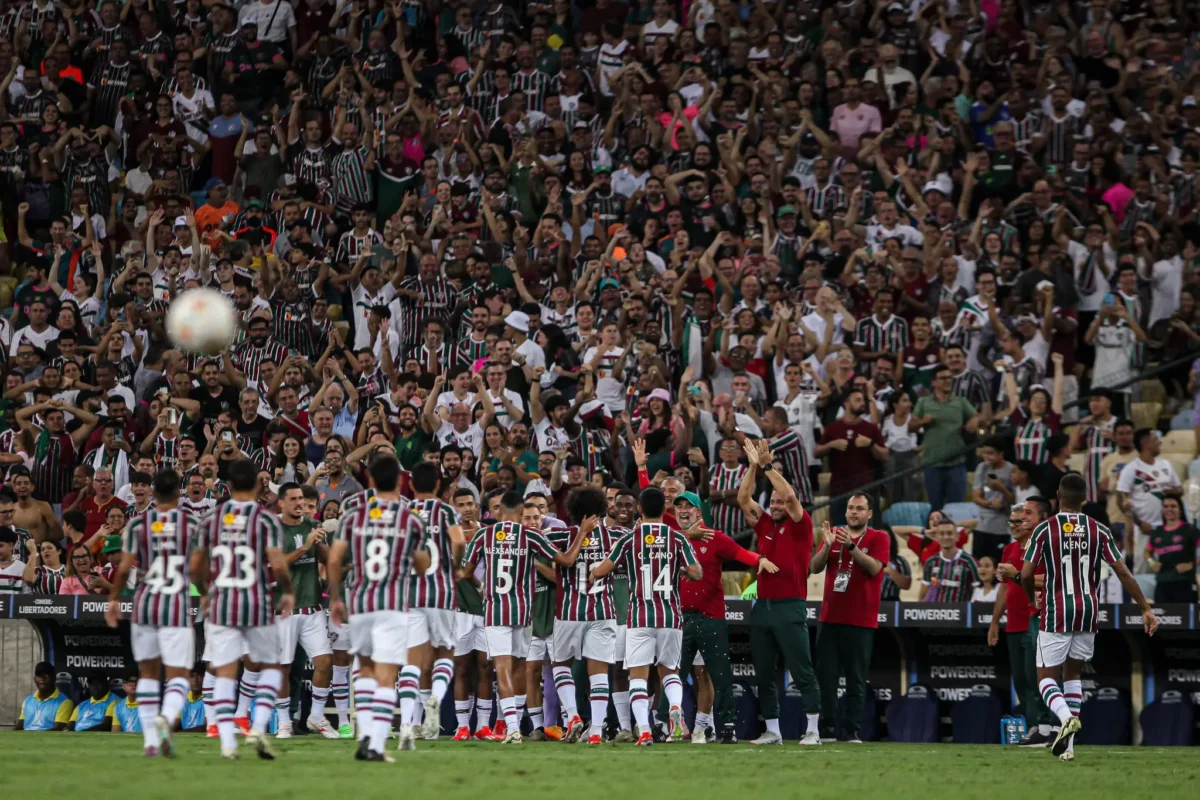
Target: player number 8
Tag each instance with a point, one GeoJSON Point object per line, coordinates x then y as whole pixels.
{"type": "Point", "coordinates": [376, 566]}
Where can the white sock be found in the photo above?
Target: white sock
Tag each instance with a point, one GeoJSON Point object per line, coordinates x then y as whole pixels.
{"type": "Point", "coordinates": [673, 687]}
{"type": "Point", "coordinates": [1073, 694]}
{"type": "Point", "coordinates": [147, 708]}
{"type": "Point", "coordinates": [1054, 700]}
{"type": "Point", "coordinates": [1044, 729]}
{"type": "Point", "coordinates": [264, 699]}
{"type": "Point", "coordinates": [773, 726]}
{"type": "Point", "coordinates": [640, 703]}
{"type": "Point", "coordinates": [340, 688]}
{"type": "Point", "coordinates": [419, 711]}
{"type": "Point", "coordinates": [247, 688]}
{"type": "Point", "coordinates": [814, 723]}
{"type": "Point", "coordinates": [483, 713]}
{"type": "Point", "coordinates": [364, 700]}
{"type": "Point", "coordinates": [564, 687]}
{"type": "Point", "coordinates": [652, 703]}
{"type": "Point", "coordinates": [621, 704]}
{"type": "Point", "coordinates": [225, 692]}
{"type": "Point", "coordinates": [520, 706]}
{"type": "Point", "coordinates": [174, 698]}
{"type": "Point", "coordinates": [598, 700]}
{"type": "Point", "coordinates": [383, 710]}
{"type": "Point", "coordinates": [703, 720]}
{"type": "Point", "coordinates": [508, 706]}
{"type": "Point", "coordinates": [441, 678]}
{"type": "Point", "coordinates": [283, 712]}
{"type": "Point", "coordinates": [210, 713]}
{"type": "Point", "coordinates": [462, 712]}
{"type": "Point", "coordinates": [409, 682]}
{"type": "Point", "coordinates": [536, 717]}
{"type": "Point", "coordinates": [320, 698]}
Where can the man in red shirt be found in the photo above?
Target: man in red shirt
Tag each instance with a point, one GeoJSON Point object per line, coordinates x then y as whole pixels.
{"type": "Point", "coordinates": [853, 444]}
{"type": "Point", "coordinates": [853, 559]}
{"type": "Point", "coordinates": [779, 619]}
{"type": "Point", "coordinates": [97, 505]}
{"type": "Point", "coordinates": [703, 604]}
{"type": "Point", "coordinates": [1021, 625]}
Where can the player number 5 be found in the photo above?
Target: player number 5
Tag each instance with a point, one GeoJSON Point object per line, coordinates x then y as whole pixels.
{"type": "Point", "coordinates": [504, 578]}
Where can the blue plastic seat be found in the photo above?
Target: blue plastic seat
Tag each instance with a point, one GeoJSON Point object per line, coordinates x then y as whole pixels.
{"type": "Point", "coordinates": [906, 514]}
{"type": "Point", "coordinates": [961, 512]}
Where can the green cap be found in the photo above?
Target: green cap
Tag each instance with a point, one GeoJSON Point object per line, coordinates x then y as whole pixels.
{"type": "Point", "coordinates": [112, 544]}
{"type": "Point", "coordinates": [688, 497]}
{"type": "Point", "coordinates": [784, 210]}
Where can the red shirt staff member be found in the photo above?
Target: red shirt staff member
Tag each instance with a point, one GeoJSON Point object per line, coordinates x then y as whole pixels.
{"type": "Point", "coordinates": [779, 618]}
{"type": "Point", "coordinates": [852, 558]}
{"type": "Point", "coordinates": [704, 627]}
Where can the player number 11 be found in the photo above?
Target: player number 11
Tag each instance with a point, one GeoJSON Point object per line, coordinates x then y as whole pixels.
{"type": "Point", "coordinates": [1069, 577]}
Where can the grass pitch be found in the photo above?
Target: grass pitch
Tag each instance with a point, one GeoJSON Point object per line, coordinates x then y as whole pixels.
{"type": "Point", "coordinates": [101, 765]}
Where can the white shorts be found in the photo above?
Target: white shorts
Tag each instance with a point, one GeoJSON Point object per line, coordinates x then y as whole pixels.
{"type": "Point", "coordinates": [646, 646]}
{"type": "Point", "coordinates": [307, 630]}
{"type": "Point", "coordinates": [175, 646]}
{"type": "Point", "coordinates": [224, 645]}
{"type": "Point", "coordinates": [437, 626]}
{"type": "Point", "coordinates": [540, 649]}
{"type": "Point", "coordinates": [595, 640]}
{"type": "Point", "coordinates": [1053, 649]}
{"type": "Point", "coordinates": [619, 648]}
{"type": "Point", "coordinates": [381, 636]}
{"type": "Point", "coordinates": [507, 640]}
{"type": "Point", "coordinates": [468, 634]}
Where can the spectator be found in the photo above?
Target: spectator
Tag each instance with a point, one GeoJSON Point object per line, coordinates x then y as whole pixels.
{"type": "Point", "coordinates": [82, 575]}
{"type": "Point", "coordinates": [47, 709]}
{"type": "Point", "coordinates": [943, 417]}
{"type": "Point", "coordinates": [94, 712]}
{"type": "Point", "coordinates": [903, 450]}
{"type": "Point", "coordinates": [854, 445]}
{"type": "Point", "coordinates": [993, 495]}
{"type": "Point", "coordinates": [897, 574]}
{"type": "Point", "coordinates": [1171, 555]}
{"type": "Point", "coordinates": [949, 576]}
{"type": "Point", "coordinates": [44, 570]}
{"type": "Point", "coordinates": [1144, 483]}
{"type": "Point", "coordinates": [125, 711]}
{"type": "Point", "coordinates": [985, 590]}
{"type": "Point", "coordinates": [191, 719]}
{"type": "Point", "coordinates": [12, 568]}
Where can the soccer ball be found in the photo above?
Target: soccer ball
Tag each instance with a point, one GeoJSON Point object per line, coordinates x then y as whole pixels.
{"type": "Point", "coordinates": [201, 321]}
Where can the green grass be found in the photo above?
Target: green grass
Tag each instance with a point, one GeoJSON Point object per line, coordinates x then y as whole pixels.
{"type": "Point", "coordinates": [111, 765]}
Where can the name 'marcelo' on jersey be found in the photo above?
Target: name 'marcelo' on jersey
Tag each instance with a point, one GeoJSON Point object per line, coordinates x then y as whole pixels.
{"type": "Point", "coordinates": [382, 536]}
{"type": "Point", "coordinates": [436, 588]}
{"type": "Point", "coordinates": [577, 602]}
{"type": "Point", "coordinates": [654, 555]}
{"type": "Point", "coordinates": [508, 550]}
{"type": "Point", "coordinates": [237, 536]}
{"type": "Point", "coordinates": [161, 543]}
{"type": "Point", "coordinates": [1071, 547]}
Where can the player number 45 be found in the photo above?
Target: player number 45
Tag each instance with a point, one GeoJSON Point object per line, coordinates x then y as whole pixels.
{"type": "Point", "coordinates": [165, 575]}
{"type": "Point", "coordinates": [660, 584]}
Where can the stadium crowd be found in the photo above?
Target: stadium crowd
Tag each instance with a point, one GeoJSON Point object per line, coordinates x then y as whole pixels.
{"type": "Point", "coordinates": [604, 244]}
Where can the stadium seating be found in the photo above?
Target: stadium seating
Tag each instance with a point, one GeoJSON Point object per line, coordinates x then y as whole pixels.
{"type": "Point", "coordinates": [1184, 420]}
{"type": "Point", "coordinates": [905, 514]}
{"type": "Point", "coordinates": [1105, 719]}
{"type": "Point", "coordinates": [914, 718]}
{"type": "Point", "coordinates": [1145, 415]}
{"type": "Point", "coordinates": [1180, 462]}
{"type": "Point", "coordinates": [961, 512]}
{"type": "Point", "coordinates": [823, 482]}
{"type": "Point", "coordinates": [976, 719]}
{"type": "Point", "coordinates": [1076, 462]}
{"type": "Point", "coordinates": [1168, 721]}
{"type": "Point", "coordinates": [1180, 441]}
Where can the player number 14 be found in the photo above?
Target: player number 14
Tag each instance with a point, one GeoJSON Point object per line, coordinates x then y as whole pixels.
{"type": "Point", "coordinates": [661, 584]}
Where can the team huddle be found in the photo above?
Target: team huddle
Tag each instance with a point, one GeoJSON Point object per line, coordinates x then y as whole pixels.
{"type": "Point", "coordinates": [421, 593]}
{"type": "Point", "coordinates": [418, 590]}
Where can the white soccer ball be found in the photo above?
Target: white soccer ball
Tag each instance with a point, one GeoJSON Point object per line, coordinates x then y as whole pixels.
{"type": "Point", "coordinates": [202, 321]}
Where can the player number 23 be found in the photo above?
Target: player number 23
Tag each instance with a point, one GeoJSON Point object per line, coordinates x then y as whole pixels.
{"type": "Point", "coordinates": [243, 555]}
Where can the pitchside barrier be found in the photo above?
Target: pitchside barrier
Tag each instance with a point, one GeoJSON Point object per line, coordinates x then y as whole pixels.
{"type": "Point", "coordinates": [931, 652]}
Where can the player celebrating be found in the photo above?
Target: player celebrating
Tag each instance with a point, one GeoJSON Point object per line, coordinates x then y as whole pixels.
{"type": "Point", "coordinates": [654, 555]}
{"type": "Point", "coordinates": [157, 543]}
{"type": "Point", "coordinates": [306, 626]}
{"type": "Point", "coordinates": [1071, 546]}
{"type": "Point", "coordinates": [508, 550]}
{"type": "Point", "coordinates": [432, 631]}
{"type": "Point", "coordinates": [585, 625]}
{"type": "Point", "coordinates": [382, 540]}
{"type": "Point", "coordinates": [242, 546]}
{"type": "Point", "coordinates": [469, 647]}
